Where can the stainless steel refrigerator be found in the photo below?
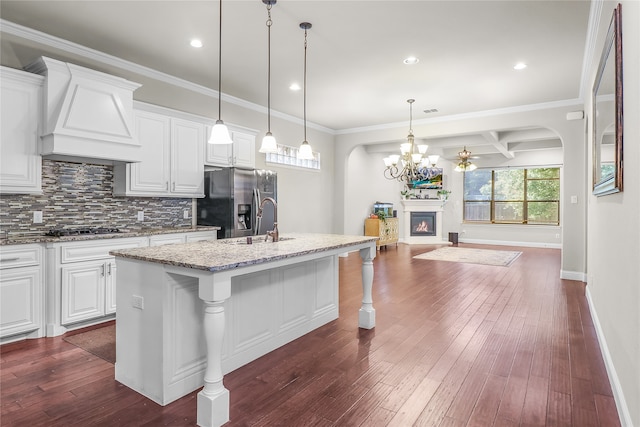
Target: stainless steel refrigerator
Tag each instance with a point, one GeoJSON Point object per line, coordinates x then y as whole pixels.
{"type": "Point", "coordinates": [232, 197]}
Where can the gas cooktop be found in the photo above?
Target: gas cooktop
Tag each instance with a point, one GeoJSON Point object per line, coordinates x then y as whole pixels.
{"type": "Point", "coordinates": [60, 232]}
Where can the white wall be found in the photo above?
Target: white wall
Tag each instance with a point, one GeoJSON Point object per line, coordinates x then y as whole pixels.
{"type": "Point", "coordinates": [613, 260]}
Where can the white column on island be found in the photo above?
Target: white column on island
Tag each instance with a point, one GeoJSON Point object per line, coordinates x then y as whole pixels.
{"type": "Point", "coordinates": [213, 399]}
{"type": "Point", "coordinates": [367, 314]}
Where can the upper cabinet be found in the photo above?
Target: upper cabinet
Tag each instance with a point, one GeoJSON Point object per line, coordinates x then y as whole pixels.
{"type": "Point", "coordinates": [242, 153]}
{"type": "Point", "coordinates": [173, 160]}
{"type": "Point", "coordinates": [20, 162]}
{"type": "Point", "coordinates": [86, 114]}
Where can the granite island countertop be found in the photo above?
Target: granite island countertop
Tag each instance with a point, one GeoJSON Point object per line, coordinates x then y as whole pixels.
{"type": "Point", "coordinates": [26, 238]}
{"type": "Point", "coordinates": [225, 254]}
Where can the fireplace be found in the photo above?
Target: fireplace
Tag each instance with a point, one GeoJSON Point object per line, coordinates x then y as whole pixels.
{"type": "Point", "coordinates": [423, 223]}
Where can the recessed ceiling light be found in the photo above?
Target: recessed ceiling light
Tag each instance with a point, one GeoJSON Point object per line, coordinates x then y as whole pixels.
{"type": "Point", "coordinates": [520, 66]}
{"type": "Point", "coordinates": [295, 86]}
{"type": "Point", "coordinates": [196, 43]}
{"type": "Point", "coordinates": [411, 60]}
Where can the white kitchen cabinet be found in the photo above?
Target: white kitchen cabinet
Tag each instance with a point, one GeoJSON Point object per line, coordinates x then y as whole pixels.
{"type": "Point", "coordinates": [21, 292]}
{"type": "Point", "coordinates": [88, 290]}
{"type": "Point", "coordinates": [187, 163]}
{"type": "Point", "coordinates": [82, 282]}
{"type": "Point", "coordinates": [20, 160]}
{"type": "Point", "coordinates": [242, 153]}
{"type": "Point", "coordinates": [172, 165]}
{"type": "Point", "coordinates": [83, 291]}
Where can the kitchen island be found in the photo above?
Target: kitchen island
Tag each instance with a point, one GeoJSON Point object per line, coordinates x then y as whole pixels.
{"type": "Point", "coordinates": [190, 313]}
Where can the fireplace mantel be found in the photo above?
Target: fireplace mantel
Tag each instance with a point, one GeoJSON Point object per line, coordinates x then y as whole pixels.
{"type": "Point", "coordinates": [423, 205]}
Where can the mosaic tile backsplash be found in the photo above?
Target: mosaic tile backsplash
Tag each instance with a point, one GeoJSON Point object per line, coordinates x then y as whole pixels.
{"type": "Point", "coordinates": [80, 195]}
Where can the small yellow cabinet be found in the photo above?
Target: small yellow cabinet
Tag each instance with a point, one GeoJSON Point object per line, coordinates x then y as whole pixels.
{"type": "Point", "coordinates": [386, 231]}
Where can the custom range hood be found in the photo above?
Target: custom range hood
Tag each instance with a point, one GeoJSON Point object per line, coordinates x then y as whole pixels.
{"type": "Point", "coordinates": [87, 115]}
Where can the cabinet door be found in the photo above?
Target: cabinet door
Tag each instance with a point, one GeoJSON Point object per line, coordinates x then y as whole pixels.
{"type": "Point", "coordinates": [187, 162]}
{"type": "Point", "coordinates": [244, 150]}
{"type": "Point", "coordinates": [151, 175]}
{"type": "Point", "coordinates": [217, 154]}
{"type": "Point", "coordinates": [110, 288]}
{"type": "Point", "coordinates": [83, 291]}
{"type": "Point", "coordinates": [20, 300]}
{"type": "Point", "coordinates": [20, 162]}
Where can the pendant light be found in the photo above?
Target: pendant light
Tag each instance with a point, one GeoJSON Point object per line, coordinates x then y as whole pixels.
{"type": "Point", "coordinates": [219, 132]}
{"type": "Point", "coordinates": [305, 152]}
{"type": "Point", "coordinates": [269, 142]}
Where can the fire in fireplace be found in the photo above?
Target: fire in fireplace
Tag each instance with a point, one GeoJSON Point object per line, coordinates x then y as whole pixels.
{"type": "Point", "coordinates": [423, 223]}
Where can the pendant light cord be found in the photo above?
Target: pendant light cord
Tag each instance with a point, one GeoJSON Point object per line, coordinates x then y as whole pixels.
{"type": "Point", "coordinates": [220, 65]}
{"type": "Point", "coordinates": [304, 86]}
{"type": "Point", "coordinates": [269, 23]}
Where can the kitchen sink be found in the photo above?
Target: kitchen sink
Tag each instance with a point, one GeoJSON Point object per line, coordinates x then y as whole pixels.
{"type": "Point", "coordinates": [255, 240]}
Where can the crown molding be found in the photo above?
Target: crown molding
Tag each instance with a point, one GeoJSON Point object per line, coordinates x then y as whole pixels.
{"type": "Point", "coordinates": [113, 61]}
{"type": "Point", "coordinates": [466, 116]}
{"type": "Point", "coordinates": [39, 37]}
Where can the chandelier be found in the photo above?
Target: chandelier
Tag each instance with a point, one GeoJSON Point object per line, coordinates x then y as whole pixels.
{"type": "Point", "coordinates": [464, 164]}
{"type": "Point", "coordinates": [411, 166]}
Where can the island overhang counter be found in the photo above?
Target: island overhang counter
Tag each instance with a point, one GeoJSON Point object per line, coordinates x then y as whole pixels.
{"type": "Point", "coordinates": [189, 313]}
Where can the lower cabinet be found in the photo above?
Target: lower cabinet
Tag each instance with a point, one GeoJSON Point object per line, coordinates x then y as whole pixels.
{"type": "Point", "coordinates": [82, 288]}
{"type": "Point", "coordinates": [21, 292]}
{"type": "Point", "coordinates": [88, 291]}
{"type": "Point", "coordinates": [386, 231]}
{"type": "Point", "coordinates": [83, 280]}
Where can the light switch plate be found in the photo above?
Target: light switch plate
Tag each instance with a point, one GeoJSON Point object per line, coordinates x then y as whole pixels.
{"type": "Point", "coordinates": [185, 214]}
{"type": "Point", "coordinates": [140, 215]}
{"type": "Point", "coordinates": [37, 217]}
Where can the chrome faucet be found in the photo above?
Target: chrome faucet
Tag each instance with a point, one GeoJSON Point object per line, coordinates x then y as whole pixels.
{"type": "Point", "coordinates": [273, 233]}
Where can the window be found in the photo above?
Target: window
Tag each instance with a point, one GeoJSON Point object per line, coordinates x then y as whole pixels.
{"type": "Point", "coordinates": [287, 155]}
{"type": "Point", "coordinates": [512, 196]}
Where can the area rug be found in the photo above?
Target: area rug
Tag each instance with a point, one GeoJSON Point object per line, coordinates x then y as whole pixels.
{"type": "Point", "coordinates": [100, 342]}
{"type": "Point", "coordinates": [471, 255]}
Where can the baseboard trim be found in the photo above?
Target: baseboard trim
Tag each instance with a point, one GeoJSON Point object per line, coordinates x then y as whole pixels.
{"type": "Point", "coordinates": [509, 243]}
{"type": "Point", "coordinates": [573, 275]}
{"type": "Point", "coordinates": [618, 394]}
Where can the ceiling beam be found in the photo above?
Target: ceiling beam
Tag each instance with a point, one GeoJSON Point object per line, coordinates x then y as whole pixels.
{"type": "Point", "coordinates": [493, 137]}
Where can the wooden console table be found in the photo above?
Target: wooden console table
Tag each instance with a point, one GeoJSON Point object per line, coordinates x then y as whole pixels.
{"type": "Point", "coordinates": [386, 231]}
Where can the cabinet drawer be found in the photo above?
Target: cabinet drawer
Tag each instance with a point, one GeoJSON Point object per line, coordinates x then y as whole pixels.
{"type": "Point", "coordinates": [94, 250]}
{"type": "Point", "coordinates": [20, 256]}
{"type": "Point", "coordinates": [166, 239]}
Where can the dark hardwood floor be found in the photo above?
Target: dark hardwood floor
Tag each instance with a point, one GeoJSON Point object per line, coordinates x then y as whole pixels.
{"type": "Point", "coordinates": [454, 345]}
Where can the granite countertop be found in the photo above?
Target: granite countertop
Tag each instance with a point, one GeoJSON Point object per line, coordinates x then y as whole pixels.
{"type": "Point", "coordinates": [225, 254]}
{"type": "Point", "coordinates": [22, 239]}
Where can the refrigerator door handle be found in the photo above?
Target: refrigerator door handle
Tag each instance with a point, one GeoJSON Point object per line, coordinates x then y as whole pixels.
{"type": "Point", "coordinates": [258, 220]}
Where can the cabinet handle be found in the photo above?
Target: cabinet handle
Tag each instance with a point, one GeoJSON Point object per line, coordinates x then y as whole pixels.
{"type": "Point", "coordinates": [166, 185]}
{"type": "Point", "coordinates": [102, 270]}
{"type": "Point", "coordinates": [109, 269]}
{"type": "Point", "coordinates": [174, 186]}
{"type": "Point", "coordinates": [10, 259]}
